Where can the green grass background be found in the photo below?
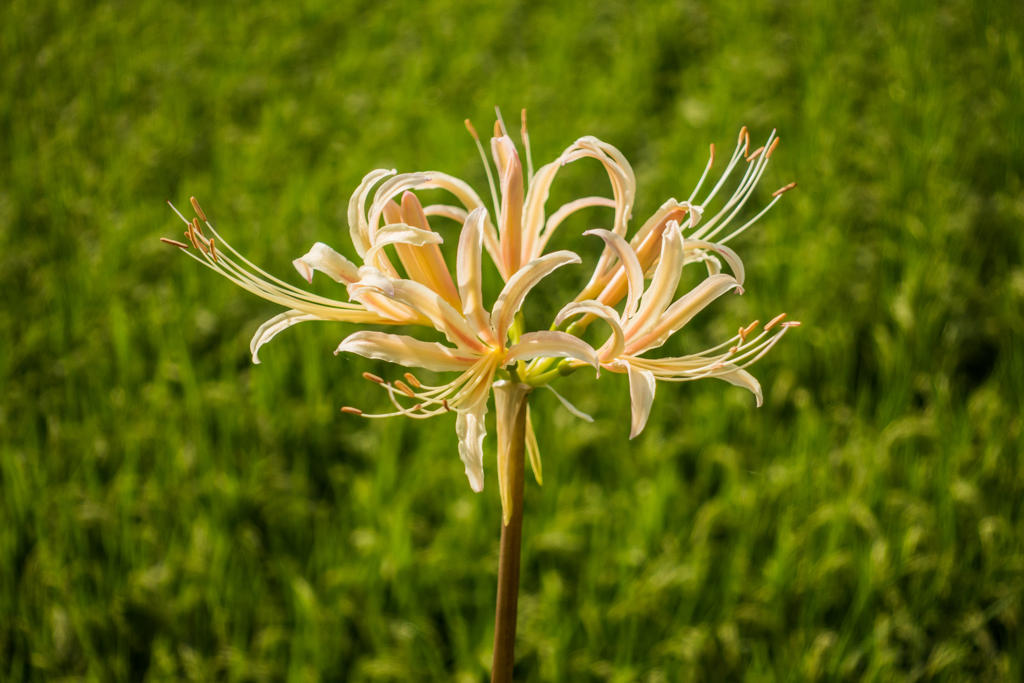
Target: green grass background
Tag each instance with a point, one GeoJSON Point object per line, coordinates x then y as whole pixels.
{"type": "Point", "coordinates": [169, 511]}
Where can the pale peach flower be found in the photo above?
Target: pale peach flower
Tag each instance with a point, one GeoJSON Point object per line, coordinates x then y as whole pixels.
{"type": "Point", "coordinates": [485, 344]}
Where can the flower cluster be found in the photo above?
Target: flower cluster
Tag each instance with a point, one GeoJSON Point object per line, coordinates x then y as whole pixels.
{"type": "Point", "coordinates": [488, 344]}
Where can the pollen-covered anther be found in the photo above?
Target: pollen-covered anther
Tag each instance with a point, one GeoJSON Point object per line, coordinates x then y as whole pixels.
{"type": "Point", "coordinates": [742, 334]}
{"type": "Point", "coordinates": [774, 321]}
{"type": "Point", "coordinates": [188, 234]}
{"type": "Point", "coordinates": [783, 190]}
{"type": "Point", "coordinates": [213, 249]}
{"type": "Point", "coordinates": [373, 378]}
{"type": "Point", "coordinates": [791, 323]}
{"type": "Point", "coordinates": [444, 402]}
{"type": "Point", "coordinates": [471, 129]}
{"type": "Point", "coordinates": [775, 143]}
{"type": "Point", "coordinates": [197, 227]}
{"type": "Point", "coordinates": [733, 350]}
{"type": "Point", "coordinates": [712, 162]}
{"type": "Point", "coordinates": [404, 388]}
{"type": "Point", "coordinates": [411, 378]}
{"type": "Point", "coordinates": [198, 209]}
{"type": "Point", "coordinates": [756, 154]}
{"type": "Point", "coordinates": [174, 243]}
{"type": "Point", "coordinates": [351, 411]}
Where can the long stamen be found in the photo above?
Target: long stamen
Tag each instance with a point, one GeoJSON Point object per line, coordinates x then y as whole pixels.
{"type": "Point", "coordinates": [487, 165]}
{"type": "Point", "coordinates": [529, 157]}
{"type": "Point", "coordinates": [704, 175]}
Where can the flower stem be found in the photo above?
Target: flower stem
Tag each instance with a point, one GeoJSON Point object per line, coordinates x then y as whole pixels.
{"type": "Point", "coordinates": [510, 403]}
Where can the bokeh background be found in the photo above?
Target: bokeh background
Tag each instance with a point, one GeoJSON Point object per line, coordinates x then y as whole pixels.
{"type": "Point", "coordinates": [169, 511]}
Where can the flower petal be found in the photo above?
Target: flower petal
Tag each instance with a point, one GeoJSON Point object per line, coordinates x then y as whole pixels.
{"type": "Point", "coordinates": [471, 430]}
{"type": "Point", "coordinates": [510, 225]}
{"type": "Point", "coordinates": [321, 257]}
{"type": "Point", "coordinates": [519, 285]}
{"type": "Point", "coordinates": [564, 212]}
{"type": "Point", "coordinates": [471, 200]}
{"type": "Point", "coordinates": [430, 262]}
{"type": "Point", "coordinates": [407, 351]}
{"type": "Point", "coordinates": [385, 193]}
{"type": "Point", "coordinates": [662, 289]}
{"type": "Point", "coordinates": [641, 396]}
{"type": "Point", "coordinates": [616, 344]}
{"type": "Point", "coordinates": [551, 344]}
{"type": "Point", "coordinates": [444, 317]}
{"type": "Point", "coordinates": [681, 312]}
{"type": "Point", "coordinates": [468, 272]}
{"type": "Point", "coordinates": [357, 225]}
{"type": "Point", "coordinates": [269, 329]}
{"type": "Point", "coordinates": [730, 256]}
{"type": "Point", "coordinates": [741, 378]}
{"type": "Point", "coordinates": [631, 272]}
{"type": "Point", "coordinates": [399, 233]}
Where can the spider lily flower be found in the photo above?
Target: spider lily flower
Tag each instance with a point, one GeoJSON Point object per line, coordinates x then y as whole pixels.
{"type": "Point", "coordinates": [652, 315]}
{"type": "Point", "coordinates": [403, 280]}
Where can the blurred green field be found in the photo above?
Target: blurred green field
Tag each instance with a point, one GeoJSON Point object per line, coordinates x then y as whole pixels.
{"type": "Point", "coordinates": [169, 511]}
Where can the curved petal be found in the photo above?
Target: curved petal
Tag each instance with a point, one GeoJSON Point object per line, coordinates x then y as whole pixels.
{"type": "Point", "coordinates": [730, 256]}
{"type": "Point", "coordinates": [407, 351]}
{"type": "Point", "coordinates": [739, 377]}
{"type": "Point", "coordinates": [681, 312]}
{"type": "Point", "coordinates": [471, 430]}
{"type": "Point", "coordinates": [400, 233]}
{"type": "Point", "coordinates": [564, 212]}
{"type": "Point", "coordinates": [551, 344]}
{"type": "Point", "coordinates": [641, 397]}
{"type": "Point", "coordinates": [321, 257]}
{"type": "Point", "coordinates": [471, 200]}
{"type": "Point", "coordinates": [662, 289]}
{"type": "Point", "coordinates": [453, 212]}
{"type": "Point", "coordinates": [269, 329]}
{"type": "Point", "coordinates": [357, 225]}
{"type": "Point", "coordinates": [520, 284]}
{"type": "Point", "coordinates": [468, 273]}
{"type": "Point", "coordinates": [385, 193]}
{"type": "Point", "coordinates": [632, 273]}
{"type": "Point", "coordinates": [616, 344]}
{"type": "Point", "coordinates": [430, 262]}
{"type": "Point", "coordinates": [510, 225]}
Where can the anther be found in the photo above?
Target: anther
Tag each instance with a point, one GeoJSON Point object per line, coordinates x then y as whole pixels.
{"type": "Point", "coordinates": [783, 190]}
{"type": "Point", "coordinates": [199, 209]}
{"type": "Point", "coordinates": [188, 234]}
{"type": "Point", "coordinates": [174, 243]}
{"type": "Point", "coordinates": [712, 162]}
{"type": "Point", "coordinates": [742, 334]}
{"type": "Point", "coordinates": [213, 250]}
{"type": "Point", "coordinates": [412, 380]}
{"type": "Point", "coordinates": [418, 406]}
{"type": "Point", "coordinates": [497, 129]}
{"type": "Point", "coordinates": [750, 328]}
{"type": "Point", "coordinates": [524, 120]}
{"type": "Point", "coordinates": [775, 143]}
{"type": "Point", "coordinates": [202, 247]}
{"type": "Point", "coordinates": [756, 154]}
{"type": "Point", "coordinates": [444, 402]}
{"type": "Point", "coordinates": [733, 350]}
{"type": "Point", "coordinates": [372, 377]}
{"type": "Point", "coordinates": [197, 227]}
{"type": "Point", "coordinates": [404, 388]}
{"type": "Point", "coordinates": [471, 129]}
{"type": "Point", "coordinates": [792, 323]}
{"type": "Point", "coordinates": [743, 132]}
{"type": "Point", "coordinates": [746, 143]}
{"type": "Point", "coordinates": [351, 411]}
{"type": "Point", "coordinates": [774, 321]}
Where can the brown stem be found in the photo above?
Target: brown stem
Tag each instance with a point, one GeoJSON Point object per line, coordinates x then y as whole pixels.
{"type": "Point", "coordinates": [510, 403]}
